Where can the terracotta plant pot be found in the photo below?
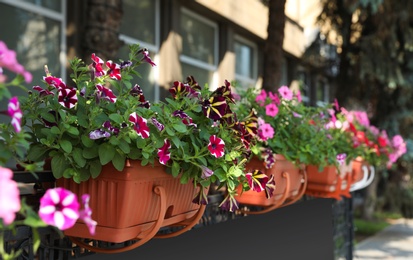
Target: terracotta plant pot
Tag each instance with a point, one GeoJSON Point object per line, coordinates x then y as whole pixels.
{"type": "Point", "coordinates": [290, 184]}
{"type": "Point", "coordinates": [329, 183]}
{"type": "Point", "coordinates": [134, 204]}
{"type": "Point", "coordinates": [357, 169]}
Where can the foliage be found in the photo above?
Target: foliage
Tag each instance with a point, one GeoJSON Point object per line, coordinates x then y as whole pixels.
{"type": "Point", "coordinates": [103, 118]}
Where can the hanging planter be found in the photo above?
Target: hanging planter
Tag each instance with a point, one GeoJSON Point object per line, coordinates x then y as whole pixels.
{"type": "Point", "coordinates": [363, 174]}
{"type": "Point", "coordinates": [290, 184]}
{"type": "Point", "coordinates": [133, 205]}
{"type": "Point", "coordinates": [329, 183]}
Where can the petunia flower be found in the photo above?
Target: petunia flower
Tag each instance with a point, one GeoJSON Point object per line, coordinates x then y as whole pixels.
{"type": "Point", "coordinates": [108, 126]}
{"type": "Point", "coordinates": [114, 70]}
{"type": "Point", "coordinates": [158, 125]}
{"type": "Point", "coordinates": [125, 64]}
{"type": "Point", "coordinates": [225, 91]}
{"type": "Point", "coordinates": [206, 172]}
{"type": "Point", "coordinates": [341, 158]}
{"type": "Point", "coordinates": [163, 153]}
{"type": "Point", "coordinates": [139, 124]}
{"type": "Point", "coordinates": [43, 92]}
{"type": "Point", "coordinates": [257, 180]}
{"type": "Point", "coordinates": [67, 97]}
{"type": "Point", "coordinates": [55, 82]}
{"type": "Point", "coordinates": [9, 61]}
{"type": "Point", "coordinates": [215, 107]}
{"type": "Point", "coordinates": [9, 196]}
{"type": "Point", "coordinates": [270, 187]}
{"type": "Point", "coordinates": [274, 97]}
{"type": "Point", "coordinates": [85, 214]}
{"type": "Point", "coordinates": [185, 118]}
{"type": "Point", "coordinates": [285, 93]}
{"type": "Point", "coordinates": [269, 158]}
{"type": "Point", "coordinates": [271, 110]}
{"type": "Point", "coordinates": [299, 98]}
{"type": "Point", "coordinates": [15, 113]}
{"type": "Point", "coordinates": [260, 99]}
{"type": "Point", "coordinates": [216, 146]}
{"type": "Point", "coordinates": [98, 134]}
{"type": "Point", "coordinates": [98, 66]}
{"type": "Point", "coordinates": [146, 57]}
{"type": "Point", "coordinates": [105, 93]}
{"type": "Point", "coordinates": [265, 132]}
{"type": "Point", "coordinates": [201, 198]}
{"type": "Point", "coordinates": [229, 203]}
{"type": "Point", "coordinates": [136, 91]}
{"type": "Point", "coordinates": [59, 207]}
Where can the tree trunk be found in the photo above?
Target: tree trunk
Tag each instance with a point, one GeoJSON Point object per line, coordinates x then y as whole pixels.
{"type": "Point", "coordinates": [370, 200]}
{"type": "Point", "coordinates": [102, 28]}
{"type": "Point", "coordinates": [273, 52]}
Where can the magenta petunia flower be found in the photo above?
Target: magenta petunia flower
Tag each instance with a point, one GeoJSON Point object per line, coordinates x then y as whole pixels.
{"type": "Point", "coordinates": [146, 57]}
{"type": "Point", "coordinates": [299, 98]}
{"type": "Point", "coordinates": [274, 97]}
{"type": "Point", "coordinates": [164, 153]}
{"type": "Point", "coordinates": [85, 214]}
{"type": "Point", "coordinates": [265, 132]}
{"type": "Point", "coordinates": [114, 70]}
{"type": "Point", "coordinates": [260, 99]}
{"type": "Point", "coordinates": [59, 207]}
{"type": "Point", "coordinates": [105, 93]}
{"type": "Point", "coordinates": [43, 92]}
{"type": "Point", "coordinates": [55, 82]}
{"type": "Point", "coordinates": [271, 110]}
{"type": "Point", "coordinates": [98, 66]}
{"type": "Point", "coordinates": [257, 180]}
{"type": "Point", "coordinates": [8, 60]}
{"type": "Point", "coordinates": [15, 113]}
{"type": "Point", "coordinates": [140, 125]}
{"type": "Point", "coordinates": [67, 97]}
{"type": "Point", "coordinates": [9, 196]}
{"type": "Point", "coordinates": [341, 158]}
{"type": "Point", "coordinates": [285, 93]}
{"type": "Point", "coordinates": [216, 146]}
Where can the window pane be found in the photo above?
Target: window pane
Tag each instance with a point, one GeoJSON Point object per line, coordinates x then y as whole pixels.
{"type": "Point", "coordinates": [197, 39]}
{"type": "Point", "coordinates": [201, 76]}
{"type": "Point", "coordinates": [35, 39]}
{"type": "Point", "coordinates": [244, 60]}
{"type": "Point", "coordinates": [52, 4]}
{"type": "Point", "coordinates": [139, 20]}
{"type": "Point", "coordinates": [147, 79]}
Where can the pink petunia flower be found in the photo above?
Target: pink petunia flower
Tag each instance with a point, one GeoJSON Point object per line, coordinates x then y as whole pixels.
{"type": "Point", "coordinates": [298, 96]}
{"type": "Point", "coordinates": [285, 93]}
{"type": "Point", "coordinates": [341, 158]}
{"type": "Point", "coordinates": [67, 97]}
{"type": "Point", "coordinates": [85, 214]}
{"type": "Point", "coordinates": [140, 125]}
{"type": "Point", "coordinates": [15, 113]}
{"type": "Point", "coordinates": [274, 97]}
{"type": "Point", "coordinates": [114, 70]}
{"type": "Point", "coordinates": [105, 93]}
{"type": "Point", "coordinates": [9, 196]}
{"type": "Point", "coordinates": [265, 132]}
{"type": "Point", "coordinates": [216, 146]}
{"type": "Point", "coordinates": [8, 60]}
{"type": "Point", "coordinates": [164, 153]}
{"type": "Point", "coordinates": [59, 207]}
{"type": "Point", "coordinates": [260, 99]}
{"type": "Point", "coordinates": [271, 110]}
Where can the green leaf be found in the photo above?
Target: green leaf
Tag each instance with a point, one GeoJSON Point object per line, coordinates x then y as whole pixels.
{"type": "Point", "coordinates": [119, 161]}
{"type": "Point", "coordinates": [124, 146]}
{"type": "Point", "coordinates": [69, 173]}
{"type": "Point", "coordinates": [221, 175]}
{"type": "Point", "coordinates": [176, 141]}
{"type": "Point", "coordinates": [116, 118]}
{"type": "Point", "coordinates": [36, 240]}
{"type": "Point", "coordinates": [66, 146]}
{"type": "Point", "coordinates": [106, 153]}
{"type": "Point", "coordinates": [78, 157]}
{"type": "Point", "coordinates": [95, 168]}
{"type": "Point", "coordinates": [48, 117]}
{"type": "Point", "coordinates": [169, 131]}
{"type": "Point", "coordinates": [180, 127]}
{"type": "Point", "coordinates": [55, 130]}
{"type": "Point", "coordinates": [90, 152]}
{"type": "Point", "coordinates": [86, 141]}
{"type": "Point", "coordinates": [36, 152]}
{"type": "Point", "coordinates": [175, 169]}
{"type": "Point", "coordinates": [59, 165]}
{"type": "Point", "coordinates": [73, 131]}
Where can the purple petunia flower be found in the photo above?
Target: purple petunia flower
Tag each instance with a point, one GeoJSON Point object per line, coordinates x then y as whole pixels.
{"type": "Point", "coordinates": [164, 153]}
{"type": "Point", "coordinates": [98, 134]}
{"type": "Point", "coordinates": [206, 172]}
{"type": "Point", "coordinates": [216, 146]}
{"type": "Point", "coordinates": [215, 107]}
{"type": "Point", "coordinates": [158, 125]}
{"type": "Point", "coordinates": [139, 124]}
{"type": "Point", "coordinates": [270, 187]}
{"type": "Point", "coordinates": [229, 203]}
{"type": "Point", "coordinates": [201, 198]}
{"type": "Point", "coordinates": [59, 207]}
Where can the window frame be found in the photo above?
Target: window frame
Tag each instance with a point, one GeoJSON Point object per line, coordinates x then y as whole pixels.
{"type": "Point", "coordinates": [254, 47]}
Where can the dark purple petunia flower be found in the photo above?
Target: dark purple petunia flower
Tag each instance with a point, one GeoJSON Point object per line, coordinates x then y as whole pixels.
{"type": "Point", "coordinates": [201, 198]}
{"type": "Point", "coordinates": [109, 127]}
{"type": "Point", "coordinates": [43, 92]}
{"type": "Point", "coordinates": [270, 187]}
{"type": "Point", "coordinates": [229, 203]}
{"type": "Point", "coordinates": [125, 64]}
{"type": "Point", "coordinates": [215, 107]}
{"type": "Point", "coordinates": [136, 91]}
{"type": "Point", "coordinates": [257, 180]}
{"type": "Point", "coordinates": [67, 97]}
{"type": "Point", "coordinates": [185, 118]}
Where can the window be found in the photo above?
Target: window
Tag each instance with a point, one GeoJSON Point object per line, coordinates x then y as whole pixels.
{"type": "Point", "coordinates": [36, 31]}
{"type": "Point", "coordinates": [199, 56]}
{"type": "Point", "coordinates": [141, 25]}
{"type": "Point", "coordinates": [245, 62]}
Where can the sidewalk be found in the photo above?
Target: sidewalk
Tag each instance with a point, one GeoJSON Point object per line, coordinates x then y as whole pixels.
{"type": "Point", "coordinates": [395, 242]}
